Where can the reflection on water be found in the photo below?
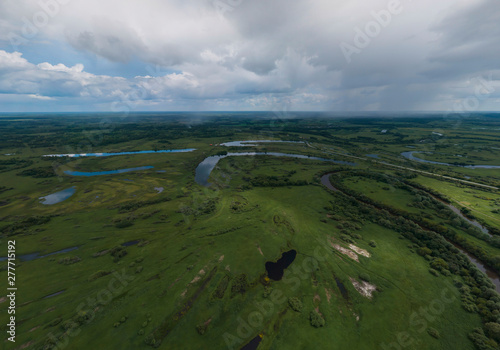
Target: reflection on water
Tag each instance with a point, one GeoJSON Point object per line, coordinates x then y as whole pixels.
{"type": "Point", "coordinates": [105, 154]}
{"type": "Point", "coordinates": [109, 172]}
{"type": "Point", "coordinates": [58, 197]}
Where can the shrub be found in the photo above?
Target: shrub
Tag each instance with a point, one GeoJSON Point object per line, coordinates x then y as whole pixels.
{"type": "Point", "coordinates": [124, 224]}
{"type": "Point", "coordinates": [295, 304]}
{"type": "Point", "coordinates": [201, 328]}
{"type": "Point", "coordinates": [433, 332]}
{"type": "Point", "coordinates": [118, 252]}
{"type": "Point", "coordinates": [434, 272]}
{"type": "Point", "coordinates": [98, 274]}
{"type": "Point", "coordinates": [69, 260]}
{"type": "Point", "coordinates": [423, 251]}
{"type": "Point", "coordinates": [365, 277]}
{"type": "Point", "coordinates": [316, 319]}
{"type": "Point", "coordinates": [373, 244]}
{"type": "Point", "coordinates": [493, 330]}
{"type": "Point", "coordinates": [346, 238]}
{"type": "Point", "coordinates": [240, 284]}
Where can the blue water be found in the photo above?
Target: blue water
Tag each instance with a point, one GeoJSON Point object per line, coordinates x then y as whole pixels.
{"type": "Point", "coordinates": [373, 156]}
{"type": "Point", "coordinates": [58, 197]}
{"type": "Point", "coordinates": [130, 243]}
{"type": "Point", "coordinates": [34, 256]}
{"type": "Point", "coordinates": [105, 154]}
{"type": "Point", "coordinates": [410, 156]}
{"type": "Point", "coordinates": [254, 142]}
{"type": "Point", "coordinates": [205, 168]}
{"type": "Point", "coordinates": [109, 172]}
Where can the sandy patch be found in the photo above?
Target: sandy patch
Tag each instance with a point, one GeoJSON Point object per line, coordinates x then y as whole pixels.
{"type": "Point", "coordinates": [228, 268]}
{"type": "Point", "coordinates": [3, 300]}
{"type": "Point", "coordinates": [34, 328]}
{"type": "Point", "coordinates": [196, 279]}
{"type": "Point", "coordinates": [346, 251]}
{"type": "Point", "coordinates": [328, 295]}
{"type": "Point", "coordinates": [359, 250]}
{"type": "Point", "coordinates": [317, 298]}
{"type": "Point", "coordinates": [221, 258]}
{"type": "Point", "coordinates": [201, 272]}
{"type": "Point", "coordinates": [364, 288]}
{"type": "Point", "coordinates": [260, 250]}
{"type": "Point", "coordinates": [24, 346]}
{"type": "Point", "coordinates": [183, 294]}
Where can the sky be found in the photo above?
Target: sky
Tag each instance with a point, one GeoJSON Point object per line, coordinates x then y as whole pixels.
{"type": "Point", "coordinates": [249, 55]}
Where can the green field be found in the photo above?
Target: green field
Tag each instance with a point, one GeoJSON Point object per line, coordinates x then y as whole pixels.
{"type": "Point", "coordinates": [192, 273]}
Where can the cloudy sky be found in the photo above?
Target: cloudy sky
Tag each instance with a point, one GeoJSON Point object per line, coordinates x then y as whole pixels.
{"type": "Point", "coordinates": [340, 55]}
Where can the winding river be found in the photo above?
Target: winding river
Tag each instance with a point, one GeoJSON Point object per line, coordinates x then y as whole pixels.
{"type": "Point", "coordinates": [492, 275]}
{"type": "Point", "coordinates": [410, 155]}
{"type": "Point", "coordinates": [204, 169]}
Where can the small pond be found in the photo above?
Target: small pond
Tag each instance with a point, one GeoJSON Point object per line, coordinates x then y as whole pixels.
{"type": "Point", "coordinates": [58, 197]}
{"type": "Point", "coordinates": [35, 256]}
{"type": "Point", "coordinates": [275, 270]}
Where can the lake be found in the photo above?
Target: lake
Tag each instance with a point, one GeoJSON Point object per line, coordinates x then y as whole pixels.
{"type": "Point", "coordinates": [58, 197]}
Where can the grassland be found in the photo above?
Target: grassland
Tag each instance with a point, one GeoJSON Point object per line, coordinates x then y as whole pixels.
{"type": "Point", "coordinates": [185, 268]}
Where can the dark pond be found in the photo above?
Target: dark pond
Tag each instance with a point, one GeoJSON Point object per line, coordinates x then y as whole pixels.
{"type": "Point", "coordinates": [58, 197]}
{"type": "Point", "coordinates": [253, 344]}
{"type": "Point", "coordinates": [53, 294]}
{"type": "Point", "coordinates": [105, 154]}
{"type": "Point", "coordinates": [276, 269]}
{"type": "Point", "coordinates": [109, 172]}
{"type": "Point", "coordinates": [342, 288]}
{"type": "Point", "coordinates": [128, 244]}
{"type": "Point", "coordinates": [410, 156]}
{"type": "Point", "coordinates": [34, 256]}
{"type": "Point", "coordinates": [205, 168]}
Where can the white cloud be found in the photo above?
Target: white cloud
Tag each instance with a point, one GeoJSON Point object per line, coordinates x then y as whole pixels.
{"type": "Point", "coordinates": [256, 52]}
